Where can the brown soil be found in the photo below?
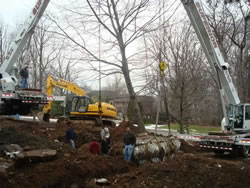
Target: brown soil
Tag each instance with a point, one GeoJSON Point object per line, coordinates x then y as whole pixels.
{"type": "Point", "coordinates": [191, 147]}
{"type": "Point", "coordinates": [78, 168]}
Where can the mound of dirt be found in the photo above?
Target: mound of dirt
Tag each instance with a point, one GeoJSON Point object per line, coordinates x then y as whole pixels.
{"type": "Point", "coordinates": [118, 132]}
{"type": "Point", "coordinates": [79, 168]}
{"type": "Point", "coordinates": [190, 147]}
{"type": "Point", "coordinates": [117, 137]}
{"type": "Point", "coordinates": [186, 170]}
{"type": "Point", "coordinates": [10, 135]}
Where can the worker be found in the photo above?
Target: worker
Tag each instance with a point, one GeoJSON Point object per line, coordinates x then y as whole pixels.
{"type": "Point", "coordinates": [24, 77]}
{"type": "Point", "coordinates": [129, 142]}
{"type": "Point", "coordinates": [94, 147]}
{"type": "Point", "coordinates": [105, 140]}
{"type": "Point", "coordinates": [71, 135]}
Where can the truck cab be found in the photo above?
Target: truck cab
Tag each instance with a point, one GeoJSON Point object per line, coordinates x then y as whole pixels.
{"type": "Point", "coordinates": [239, 117]}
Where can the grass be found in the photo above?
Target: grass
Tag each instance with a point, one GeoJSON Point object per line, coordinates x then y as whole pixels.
{"type": "Point", "coordinates": [194, 128]}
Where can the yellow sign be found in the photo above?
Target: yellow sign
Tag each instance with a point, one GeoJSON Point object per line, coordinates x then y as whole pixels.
{"type": "Point", "coordinates": [162, 66]}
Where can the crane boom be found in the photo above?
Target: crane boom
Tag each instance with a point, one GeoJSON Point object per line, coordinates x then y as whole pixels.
{"type": "Point", "coordinates": [22, 38]}
{"type": "Point", "coordinates": [210, 46]}
{"type": "Point", "coordinates": [237, 120]}
{"type": "Point", "coordinates": [15, 100]}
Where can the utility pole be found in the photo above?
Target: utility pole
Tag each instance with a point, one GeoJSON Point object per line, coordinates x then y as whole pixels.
{"type": "Point", "coordinates": [162, 66]}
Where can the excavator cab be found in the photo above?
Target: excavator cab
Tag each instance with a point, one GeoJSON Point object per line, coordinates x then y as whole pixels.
{"type": "Point", "coordinates": [83, 108]}
{"type": "Point", "coordinates": [80, 103]}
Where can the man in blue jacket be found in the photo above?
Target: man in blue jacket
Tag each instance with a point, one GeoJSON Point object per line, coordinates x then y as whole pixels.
{"type": "Point", "coordinates": [71, 135]}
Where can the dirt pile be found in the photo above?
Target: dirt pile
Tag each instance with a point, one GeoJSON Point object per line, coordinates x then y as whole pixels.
{"type": "Point", "coordinates": [191, 147]}
{"type": "Point", "coordinates": [117, 137]}
{"type": "Point", "coordinates": [187, 170]}
{"type": "Point", "coordinates": [79, 168]}
{"type": "Point", "coordinates": [25, 134]}
{"type": "Point", "coordinates": [118, 132]}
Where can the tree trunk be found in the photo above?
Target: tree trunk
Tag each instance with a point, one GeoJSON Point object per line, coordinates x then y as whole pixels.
{"type": "Point", "coordinates": [132, 96]}
{"type": "Point", "coordinates": [248, 79]}
{"type": "Point", "coordinates": [166, 106]}
{"type": "Point", "coordinates": [241, 84]}
{"type": "Point", "coordinates": [35, 75]}
{"type": "Point", "coordinates": [1, 46]}
{"type": "Point", "coordinates": [40, 67]}
{"type": "Point", "coordinates": [181, 109]}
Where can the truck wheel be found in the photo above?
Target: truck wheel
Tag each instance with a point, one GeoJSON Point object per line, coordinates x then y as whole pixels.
{"type": "Point", "coordinates": [46, 117]}
{"type": "Point", "coordinates": [245, 151]}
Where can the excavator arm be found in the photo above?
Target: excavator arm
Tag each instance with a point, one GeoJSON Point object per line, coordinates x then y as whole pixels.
{"type": "Point", "coordinates": [82, 106]}
{"type": "Point", "coordinates": [58, 82]}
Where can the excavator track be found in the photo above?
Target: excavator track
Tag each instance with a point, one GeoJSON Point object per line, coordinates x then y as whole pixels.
{"type": "Point", "coordinates": [94, 120]}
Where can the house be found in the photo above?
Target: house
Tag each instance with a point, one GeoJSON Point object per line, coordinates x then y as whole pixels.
{"type": "Point", "coordinates": [147, 102]}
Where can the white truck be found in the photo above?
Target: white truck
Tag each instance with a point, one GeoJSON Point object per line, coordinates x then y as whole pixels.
{"type": "Point", "coordinates": [13, 99]}
{"type": "Point", "coordinates": [235, 135]}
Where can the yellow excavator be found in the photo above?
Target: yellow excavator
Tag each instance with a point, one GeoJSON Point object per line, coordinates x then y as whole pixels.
{"type": "Point", "coordinates": [82, 106]}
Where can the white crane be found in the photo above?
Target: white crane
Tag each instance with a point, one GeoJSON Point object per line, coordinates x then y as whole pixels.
{"type": "Point", "coordinates": [12, 99]}
{"type": "Point", "coordinates": [238, 116]}
{"type": "Point", "coordinates": [9, 81]}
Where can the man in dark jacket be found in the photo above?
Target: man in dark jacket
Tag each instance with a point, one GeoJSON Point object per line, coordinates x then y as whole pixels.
{"type": "Point", "coordinates": [24, 76]}
{"type": "Point", "coordinates": [71, 135]}
{"type": "Point", "coordinates": [129, 141]}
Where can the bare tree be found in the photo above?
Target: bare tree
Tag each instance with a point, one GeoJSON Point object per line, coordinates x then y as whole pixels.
{"type": "Point", "coordinates": [121, 24]}
{"type": "Point", "coordinates": [43, 51]}
{"type": "Point", "coordinates": [65, 68]}
{"type": "Point", "coordinates": [187, 80]}
{"type": "Point", "coordinates": [230, 23]}
{"type": "Point", "coordinates": [4, 41]}
{"type": "Point", "coordinates": [117, 85]}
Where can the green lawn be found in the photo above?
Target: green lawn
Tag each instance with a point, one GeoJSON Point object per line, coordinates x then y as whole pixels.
{"type": "Point", "coordinates": [194, 128]}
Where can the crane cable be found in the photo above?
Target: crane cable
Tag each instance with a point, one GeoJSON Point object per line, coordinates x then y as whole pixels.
{"type": "Point", "coordinates": [99, 56]}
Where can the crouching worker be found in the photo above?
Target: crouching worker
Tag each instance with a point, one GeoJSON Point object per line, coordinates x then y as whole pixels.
{"type": "Point", "coordinates": [94, 147]}
{"type": "Point", "coordinates": [129, 142]}
{"type": "Point", "coordinates": [105, 137]}
{"type": "Point", "coordinates": [71, 135]}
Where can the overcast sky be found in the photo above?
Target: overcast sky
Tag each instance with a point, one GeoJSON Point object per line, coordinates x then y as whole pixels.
{"type": "Point", "coordinates": [14, 11]}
